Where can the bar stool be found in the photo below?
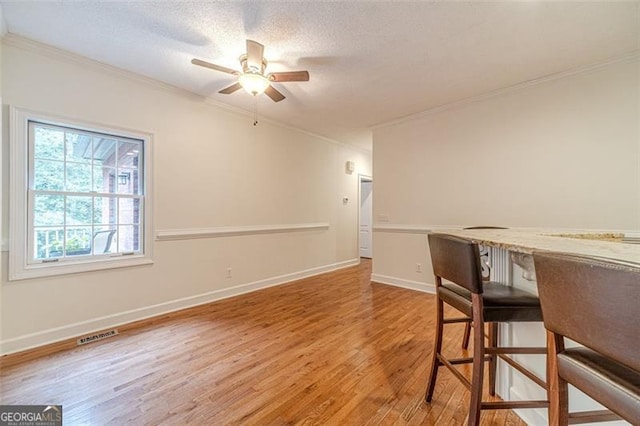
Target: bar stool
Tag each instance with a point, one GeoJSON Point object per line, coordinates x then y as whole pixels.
{"type": "Point", "coordinates": [592, 301]}
{"type": "Point", "coordinates": [457, 260]}
{"type": "Point", "coordinates": [485, 277]}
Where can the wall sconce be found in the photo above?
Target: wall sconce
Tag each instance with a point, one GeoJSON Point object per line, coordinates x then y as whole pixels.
{"type": "Point", "coordinates": [350, 167]}
{"type": "Point", "coordinates": [124, 178]}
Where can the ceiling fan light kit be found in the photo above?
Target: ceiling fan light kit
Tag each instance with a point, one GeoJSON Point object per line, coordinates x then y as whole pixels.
{"type": "Point", "coordinates": [252, 78]}
{"type": "Point", "coordinates": [254, 84]}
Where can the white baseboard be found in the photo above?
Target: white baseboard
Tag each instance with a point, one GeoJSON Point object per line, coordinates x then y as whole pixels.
{"type": "Point", "coordinates": [57, 334]}
{"type": "Point", "coordinates": [400, 282]}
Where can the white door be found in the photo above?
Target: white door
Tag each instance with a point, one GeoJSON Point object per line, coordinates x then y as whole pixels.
{"type": "Point", "coordinates": [366, 214]}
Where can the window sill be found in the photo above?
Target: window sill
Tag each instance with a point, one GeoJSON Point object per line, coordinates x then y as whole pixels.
{"type": "Point", "coordinates": [47, 269]}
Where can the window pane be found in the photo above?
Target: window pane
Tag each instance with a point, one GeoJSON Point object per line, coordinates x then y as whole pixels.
{"type": "Point", "coordinates": [128, 238]}
{"type": "Point", "coordinates": [78, 241]}
{"type": "Point", "coordinates": [128, 181]}
{"type": "Point", "coordinates": [105, 210]}
{"type": "Point", "coordinates": [129, 211]}
{"type": "Point", "coordinates": [104, 171]}
{"type": "Point", "coordinates": [104, 240]}
{"type": "Point", "coordinates": [79, 148]}
{"type": "Point", "coordinates": [104, 152]}
{"type": "Point", "coordinates": [48, 143]}
{"type": "Point", "coordinates": [105, 179]}
{"type": "Point", "coordinates": [79, 211]}
{"type": "Point", "coordinates": [48, 210]}
{"type": "Point", "coordinates": [100, 182]}
{"type": "Point", "coordinates": [124, 181]}
{"type": "Point", "coordinates": [48, 175]}
{"type": "Point", "coordinates": [48, 242]}
{"type": "Point", "coordinates": [78, 177]}
{"type": "Point", "coordinates": [129, 154]}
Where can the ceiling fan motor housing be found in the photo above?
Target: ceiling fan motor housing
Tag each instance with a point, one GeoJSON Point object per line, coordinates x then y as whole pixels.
{"type": "Point", "coordinates": [250, 68]}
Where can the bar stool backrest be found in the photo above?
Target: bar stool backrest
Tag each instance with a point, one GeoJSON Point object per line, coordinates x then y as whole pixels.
{"type": "Point", "coordinates": [456, 260]}
{"type": "Point", "coordinates": [593, 301]}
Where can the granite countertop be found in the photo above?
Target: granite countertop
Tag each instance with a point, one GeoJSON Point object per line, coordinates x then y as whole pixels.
{"type": "Point", "coordinates": [601, 244]}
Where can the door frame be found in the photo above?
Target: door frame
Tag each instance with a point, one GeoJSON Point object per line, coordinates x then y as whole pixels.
{"type": "Point", "coordinates": [364, 178]}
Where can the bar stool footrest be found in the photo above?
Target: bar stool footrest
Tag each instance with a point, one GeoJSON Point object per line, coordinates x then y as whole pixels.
{"type": "Point", "coordinates": [510, 405]}
{"type": "Point", "coordinates": [456, 320]}
{"type": "Point", "coordinates": [592, 416]}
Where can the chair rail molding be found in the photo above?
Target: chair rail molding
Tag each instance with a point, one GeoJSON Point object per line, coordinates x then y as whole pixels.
{"type": "Point", "coordinates": [399, 228]}
{"type": "Point", "coordinates": [233, 231]}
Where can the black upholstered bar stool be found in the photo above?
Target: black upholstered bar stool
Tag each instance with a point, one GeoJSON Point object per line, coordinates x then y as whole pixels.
{"type": "Point", "coordinates": [594, 302]}
{"type": "Point", "coordinates": [485, 277]}
{"type": "Point", "coordinates": [457, 261]}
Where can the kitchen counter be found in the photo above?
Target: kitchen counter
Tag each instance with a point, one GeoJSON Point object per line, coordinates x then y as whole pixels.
{"type": "Point", "coordinates": [602, 244]}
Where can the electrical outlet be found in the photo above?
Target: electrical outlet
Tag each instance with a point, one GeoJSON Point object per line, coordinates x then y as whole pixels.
{"type": "Point", "coordinates": [383, 218]}
{"type": "Point", "coordinates": [419, 268]}
{"type": "Point", "coordinates": [229, 272]}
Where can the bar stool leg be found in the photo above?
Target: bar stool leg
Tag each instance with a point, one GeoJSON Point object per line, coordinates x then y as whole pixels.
{"type": "Point", "coordinates": [465, 337]}
{"type": "Point", "coordinates": [478, 361]}
{"type": "Point", "coordinates": [435, 362]}
{"type": "Point", "coordinates": [493, 364]}
{"type": "Point", "coordinates": [557, 387]}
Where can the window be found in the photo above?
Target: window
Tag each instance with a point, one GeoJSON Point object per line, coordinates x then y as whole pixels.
{"type": "Point", "coordinates": [79, 197]}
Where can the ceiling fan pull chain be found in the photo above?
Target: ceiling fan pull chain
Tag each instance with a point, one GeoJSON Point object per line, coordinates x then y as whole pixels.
{"type": "Point", "coordinates": [255, 111]}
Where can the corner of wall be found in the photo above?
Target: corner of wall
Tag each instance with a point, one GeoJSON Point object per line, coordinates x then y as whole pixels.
{"type": "Point", "coordinates": [3, 23]}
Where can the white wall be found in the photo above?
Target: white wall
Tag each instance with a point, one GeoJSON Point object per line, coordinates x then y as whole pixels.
{"type": "Point", "coordinates": [563, 153]}
{"type": "Point", "coordinates": [3, 31]}
{"type": "Point", "coordinates": [212, 168]}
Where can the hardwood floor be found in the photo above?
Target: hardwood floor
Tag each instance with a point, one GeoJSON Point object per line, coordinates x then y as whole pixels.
{"type": "Point", "coordinates": [332, 349]}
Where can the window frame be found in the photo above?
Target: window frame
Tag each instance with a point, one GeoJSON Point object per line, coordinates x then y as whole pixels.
{"type": "Point", "coordinates": [20, 261]}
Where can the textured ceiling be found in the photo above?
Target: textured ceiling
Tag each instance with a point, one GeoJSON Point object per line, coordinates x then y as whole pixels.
{"type": "Point", "coordinates": [370, 62]}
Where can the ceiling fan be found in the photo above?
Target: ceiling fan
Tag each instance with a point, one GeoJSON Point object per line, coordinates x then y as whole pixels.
{"type": "Point", "coordinates": [252, 77]}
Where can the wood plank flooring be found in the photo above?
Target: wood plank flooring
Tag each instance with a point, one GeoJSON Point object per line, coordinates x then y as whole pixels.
{"type": "Point", "coordinates": [333, 349]}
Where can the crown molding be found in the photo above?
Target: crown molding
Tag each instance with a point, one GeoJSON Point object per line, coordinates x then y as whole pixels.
{"type": "Point", "coordinates": [30, 45]}
{"type": "Point", "coordinates": [626, 58]}
{"type": "Point", "coordinates": [27, 44]}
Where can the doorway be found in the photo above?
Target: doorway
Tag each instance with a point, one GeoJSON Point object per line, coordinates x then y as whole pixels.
{"type": "Point", "coordinates": [366, 217]}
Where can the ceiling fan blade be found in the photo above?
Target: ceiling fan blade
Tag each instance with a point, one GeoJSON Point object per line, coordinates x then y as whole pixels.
{"type": "Point", "coordinates": [230, 89]}
{"type": "Point", "coordinates": [213, 66]}
{"type": "Point", "coordinates": [255, 52]}
{"type": "Point", "coordinates": [280, 77]}
{"type": "Point", "coordinates": [274, 94]}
